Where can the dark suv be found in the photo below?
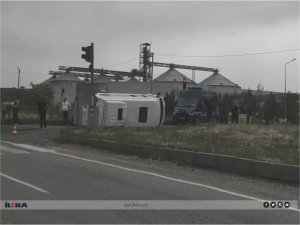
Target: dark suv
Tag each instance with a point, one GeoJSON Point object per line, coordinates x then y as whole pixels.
{"type": "Point", "coordinates": [196, 104]}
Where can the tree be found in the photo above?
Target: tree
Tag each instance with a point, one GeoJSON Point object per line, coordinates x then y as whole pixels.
{"type": "Point", "coordinates": [292, 107]}
{"type": "Point", "coordinates": [249, 103]}
{"type": "Point", "coordinates": [41, 92]}
{"type": "Point", "coordinates": [170, 102]}
{"type": "Point", "coordinates": [224, 108]}
{"type": "Point", "coordinates": [259, 101]}
{"type": "Point", "coordinates": [271, 108]}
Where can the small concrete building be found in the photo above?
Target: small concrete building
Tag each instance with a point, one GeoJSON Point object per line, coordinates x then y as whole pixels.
{"type": "Point", "coordinates": [66, 82]}
{"type": "Point", "coordinates": [219, 84]}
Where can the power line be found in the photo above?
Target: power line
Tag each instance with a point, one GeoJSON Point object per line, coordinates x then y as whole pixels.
{"type": "Point", "coordinates": [130, 60]}
{"type": "Point", "coordinates": [8, 74]}
{"type": "Point", "coordinates": [29, 73]}
{"type": "Point", "coordinates": [233, 55]}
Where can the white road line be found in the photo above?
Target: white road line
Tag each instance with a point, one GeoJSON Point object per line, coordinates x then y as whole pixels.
{"type": "Point", "coordinates": [29, 147]}
{"type": "Point", "coordinates": [104, 157]}
{"type": "Point", "coordinates": [169, 178]}
{"type": "Point", "coordinates": [13, 150]}
{"type": "Point", "coordinates": [24, 183]}
{"type": "Point", "coordinates": [158, 175]}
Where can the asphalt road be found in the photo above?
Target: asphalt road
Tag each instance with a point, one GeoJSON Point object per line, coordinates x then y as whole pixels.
{"type": "Point", "coordinates": [69, 172]}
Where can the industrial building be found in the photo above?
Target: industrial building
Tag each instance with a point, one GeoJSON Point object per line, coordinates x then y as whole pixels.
{"type": "Point", "coordinates": [219, 84]}
{"type": "Point", "coordinates": [167, 82]}
{"type": "Point", "coordinates": [68, 82]}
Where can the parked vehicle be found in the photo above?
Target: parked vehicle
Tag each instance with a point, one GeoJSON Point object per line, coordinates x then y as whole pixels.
{"type": "Point", "coordinates": [196, 104]}
{"type": "Point", "coordinates": [129, 110]}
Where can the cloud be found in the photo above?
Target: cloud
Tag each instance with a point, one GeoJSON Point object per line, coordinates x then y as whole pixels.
{"type": "Point", "coordinates": [40, 36]}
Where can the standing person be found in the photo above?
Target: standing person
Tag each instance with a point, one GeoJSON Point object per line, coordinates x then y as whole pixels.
{"type": "Point", "coordinates": [235, 114]}
{"type": "Point", "coordinates": [42, 113]}
{"type": "Point", "coordinates": [65, 109]}
{"type": "Point", "coordinates": [249, 113]}
{"type": "Point", "coordinates": [209, 110]}
{"type": "Point", "coordinates": [16, 107]}
{"type": "Point", "coordinates": [237, 108]}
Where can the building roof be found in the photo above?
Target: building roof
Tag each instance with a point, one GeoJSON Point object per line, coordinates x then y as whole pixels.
{"type": "Point", "coordinates": [172, 75]}
{"type": "Point", "coordinates": [217, 79]}
{"type": "Point", "coordinates": [49, 80]}
{"type": "Point", "coordinates": [86, 80]}
{"type": "Point", "coordinates": [101, 80]}
{"type": "Point", "coordinates": [133, 79]}
{"type": "Point", "coordinates": [66, 77]}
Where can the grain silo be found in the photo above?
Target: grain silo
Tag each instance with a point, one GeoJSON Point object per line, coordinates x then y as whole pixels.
{"type": "Point", "coordinates": [172, 81]}
{"type": "Point", "coordinates": [219, 84]}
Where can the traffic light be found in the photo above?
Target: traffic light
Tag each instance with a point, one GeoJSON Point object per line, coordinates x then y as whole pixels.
{"type": "Point", "coordinates": [89, 53]}
{"type": "Point", "coordinates": [91, 68]}
{"type": "Point", "coordinates": [184, 84]}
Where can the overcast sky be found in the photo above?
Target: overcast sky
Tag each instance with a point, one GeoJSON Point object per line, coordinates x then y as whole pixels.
{"type": "Point", "coordinates": [40, 36]}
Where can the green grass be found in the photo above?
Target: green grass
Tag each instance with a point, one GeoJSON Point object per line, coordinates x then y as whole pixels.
{"type": "Point", "coordinates": [33, 114]}
{"type": "Point", "coordinates": [273, 143]}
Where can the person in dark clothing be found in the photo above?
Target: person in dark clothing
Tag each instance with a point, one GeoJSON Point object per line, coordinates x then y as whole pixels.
{"type": "Point", "coordinates": [235, 114]}
{"type": "Point", "coordinates": [249, 113]}
{"type": "Point", "coordinates": [42, 113]}
{"type": "Point", "coordinates": [209, 110]}
{"type": "Point", "coordinates": [16, 107]}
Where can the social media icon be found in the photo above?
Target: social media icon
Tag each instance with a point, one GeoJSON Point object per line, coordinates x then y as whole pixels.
{"type": "Point", "coordinates": [273, 204]}
{"type": "Point", "coordinates": [287, 205]}
{"type": "Point", "coordinates": [266, 204]}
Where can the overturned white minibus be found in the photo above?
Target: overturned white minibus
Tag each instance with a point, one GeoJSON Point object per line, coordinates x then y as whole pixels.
{"type": "Point", "coordinates": [130, 110]}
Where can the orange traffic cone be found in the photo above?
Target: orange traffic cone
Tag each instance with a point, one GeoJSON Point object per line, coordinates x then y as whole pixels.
{"type": "Point", "coordinates": [14, 130]}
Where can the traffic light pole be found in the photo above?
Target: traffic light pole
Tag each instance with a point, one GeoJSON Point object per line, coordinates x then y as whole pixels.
{"type": "Point", "coordinates": [89, 57]}
{"type": "Point", "coordinates": [19, 71]}
{"type": "Point", "coordinates": [92, 64]}
{"type": "Point", "coordinates": [93, 88]}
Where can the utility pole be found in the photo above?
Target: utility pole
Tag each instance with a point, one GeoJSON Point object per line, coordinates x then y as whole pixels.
{"type": "Point", "coordinates": [89, 57]}
{"type": "Point", "coordinates": [92, 74]}
{"type": "Point", "coordinates": [19, 71]}
{"type": "Point", "coordinates": [151, 71]}
{"type": "Point", "coordinates": [285, 89]}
